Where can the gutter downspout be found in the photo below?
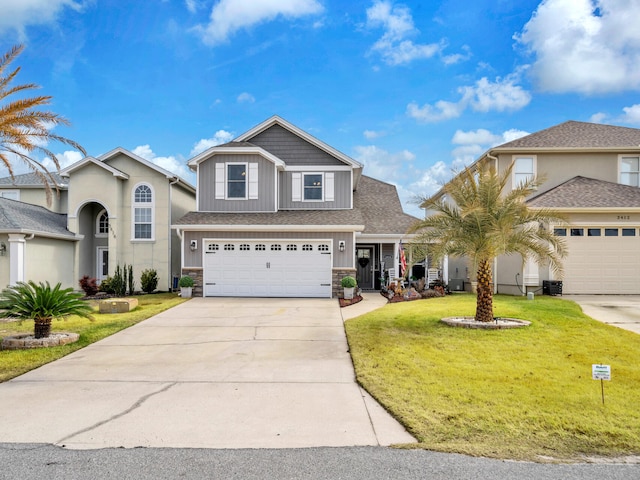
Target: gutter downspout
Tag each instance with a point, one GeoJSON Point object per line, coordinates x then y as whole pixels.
{"type": "Point", "coordinates": [170, 262]}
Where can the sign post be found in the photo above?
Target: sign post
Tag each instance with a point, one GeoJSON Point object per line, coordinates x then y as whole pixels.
{"type": "Point", "coordinates": [602, 373]}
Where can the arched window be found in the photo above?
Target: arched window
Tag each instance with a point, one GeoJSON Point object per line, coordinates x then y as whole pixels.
{"type": "Point", "coordinates": [142, 212]}
{"type": "Point", "coordinates": [102, 224]}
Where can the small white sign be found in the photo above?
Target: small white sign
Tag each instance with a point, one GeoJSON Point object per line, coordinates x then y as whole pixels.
{"type": "Point", "coordinates": [601, 372]}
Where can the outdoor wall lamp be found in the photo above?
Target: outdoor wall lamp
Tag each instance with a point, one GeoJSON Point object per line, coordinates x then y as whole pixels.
{"type": "Point", "coordinates": [341, 245]}
{"type": "Point", "coordinates": [3, 249]}
{"type": "Point", "coordinates": [193, 245]}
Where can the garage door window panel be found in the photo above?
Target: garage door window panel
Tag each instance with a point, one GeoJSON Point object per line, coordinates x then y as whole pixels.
{"type": "Point", "coordinates": [577, 232]}
{"type": "Point", "coordinates": [628, 232]}
{"type": "Point", "coordinates": [610, 232]}
{"type": "Point", "coordinates": [593, 232]}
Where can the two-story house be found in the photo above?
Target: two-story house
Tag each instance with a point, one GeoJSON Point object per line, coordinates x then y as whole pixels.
{"type": "Point", "coordinates": [591, 174]}
{"type": "Point", "coordinates": [111, 210]}
{"type": "Point", "coordinates": [281, 213]}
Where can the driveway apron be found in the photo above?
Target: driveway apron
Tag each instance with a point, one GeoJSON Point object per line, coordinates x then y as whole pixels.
{"type": "Point", "coordinates": [209, 373]}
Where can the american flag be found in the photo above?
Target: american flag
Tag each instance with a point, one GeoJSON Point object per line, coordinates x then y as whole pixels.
{"type": "Point", "coordinates": [403, 260]}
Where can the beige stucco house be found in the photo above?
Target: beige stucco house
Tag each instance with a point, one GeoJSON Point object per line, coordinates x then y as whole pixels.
{"type": "Point", "coordinates": [111, 210]}
{"type": "Point", "coordinates": [592, 175]}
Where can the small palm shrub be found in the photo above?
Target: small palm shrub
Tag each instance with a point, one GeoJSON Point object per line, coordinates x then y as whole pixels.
{"type": "Point", "coordinates": [88, 285]}
{"type": "Point", "coordinates": [41, 303]}
{"type": "Point", "coordinates": [149, 280]}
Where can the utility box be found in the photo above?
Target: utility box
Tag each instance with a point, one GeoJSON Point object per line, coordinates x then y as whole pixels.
{"type": "Point", "coordinates": [456, 285]}
{"type": "Point", "coordinates": [552, 287]}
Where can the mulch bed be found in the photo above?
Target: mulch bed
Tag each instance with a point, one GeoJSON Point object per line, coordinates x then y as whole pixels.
{"type": "Point", "coordinates": [346, 302]}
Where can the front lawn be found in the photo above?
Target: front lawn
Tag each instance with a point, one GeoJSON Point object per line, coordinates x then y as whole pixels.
{"type": "Point", "coordinates": [17, 362]}
{"type": "Point", "coordinates": [522, 394]}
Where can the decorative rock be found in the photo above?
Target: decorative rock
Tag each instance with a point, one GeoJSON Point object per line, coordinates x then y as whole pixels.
{"type": "Point", "coordinates": [24, 341]}
{"type": "Point", "coordinates": [118, 305]}
{"type": "Point", "coordinates": [497, 324]}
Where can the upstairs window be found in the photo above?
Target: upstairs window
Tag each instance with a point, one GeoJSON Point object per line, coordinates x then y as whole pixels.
{"type": "Point", "coordinates": [102, 224]}
{"type": "Point", "coordinates": [142, 212]}
{"type": "Point", "coordinates": [629, 170]}
{"type": "Point", "coordinates": [313, 186]}
{"type": "Point", "coordinates": [237, 180]}
{"type": "Point", "coordinates": [524, 169]}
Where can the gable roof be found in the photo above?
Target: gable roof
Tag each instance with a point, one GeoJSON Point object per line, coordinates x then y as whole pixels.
{"type": "Point", "coordinates": [87, 160]}
{"type": "Point", "coordinates": [20, 217]}
{"type": "Point", "coordinates": [31, 180]}
{"type": "Point", "coordinates": [276, 120]}
{"type": "Point", "coordinates": [583, 192]}
{"type": "Point", "coordinates": [234, 148]}
{"type": "Point", "coordinates": [578, 135]}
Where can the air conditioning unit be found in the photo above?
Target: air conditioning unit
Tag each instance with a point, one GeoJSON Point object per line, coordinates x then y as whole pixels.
{"type": "Point", "coordinates": [456, 285]}
{"type": "Point", "coordinates": [552, 287]}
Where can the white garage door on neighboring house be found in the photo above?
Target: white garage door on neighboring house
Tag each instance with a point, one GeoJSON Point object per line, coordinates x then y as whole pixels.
{"type": "Point", "coordinates": [602, 260]}
{"type": "Point", "coordinates": [267, 268]}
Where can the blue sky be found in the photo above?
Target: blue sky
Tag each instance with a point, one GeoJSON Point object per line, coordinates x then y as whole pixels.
{"type": "Point", "coordinates": [411, 89]}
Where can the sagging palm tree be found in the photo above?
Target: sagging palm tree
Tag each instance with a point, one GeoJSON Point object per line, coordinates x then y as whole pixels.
{"type": "Point", "coordinates": [25, 130]}
{"type": "Point", "coordinates": [474, 219]}
{"type": "Point", "coordinates": [41, 303]}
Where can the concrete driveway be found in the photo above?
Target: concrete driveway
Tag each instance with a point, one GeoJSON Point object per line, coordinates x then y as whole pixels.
{"type": "Point", "coordinates": [619, 310]}
{"type": "Point", "coordinates": [209, 373]}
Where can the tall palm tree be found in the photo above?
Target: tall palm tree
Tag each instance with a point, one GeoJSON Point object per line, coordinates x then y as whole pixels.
{"type": "Point", "coordinates": [475, 219]}
{"type": "Point", "coordinates": [24, 129]}
{"type": "Point", "coordinates": [41, 303]}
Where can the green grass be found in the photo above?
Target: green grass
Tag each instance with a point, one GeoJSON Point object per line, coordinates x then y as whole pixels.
{"type": "Point", "coordinates": [17, 362]}
{"type": "Point", "coordinates": [520, 394]}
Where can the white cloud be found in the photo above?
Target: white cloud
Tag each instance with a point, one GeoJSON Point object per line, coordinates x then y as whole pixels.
{"type": "Point", "coordinates": [229, 16]}
{"type": "Point", "coordinates": [171, 163]}
{"type": "Point", "coordinates": [484, 96]}
{"type": "Point", "coordinates": [457, 57]}
{"type": "Point", "coordinates": [192, 5]}
{"type": "Point", "coordinates": [220, 137]}
{"type": "Point", "coordinates": [246, 97]}
{"type": "Point", "coordinates": [372, 134]}
{"type": "Point", "coordinates": [394, 46]}
{"type": "Point", "coordinates": [481, 136]}
{"type": "Point", "coordinates": [17, 15]}
{"type": "Point", "coordinates": [64, 159]}
{"type": "Point", "coordinates": [598, 117]}
{"type": "Point", "coordinates": [379, 163]}
{"type": "Point", "coordinates": [471, 144]}
{"type": "Point", "coordinates": [631, 114]}
{"type": "Point", "coordinates": [587, 46]}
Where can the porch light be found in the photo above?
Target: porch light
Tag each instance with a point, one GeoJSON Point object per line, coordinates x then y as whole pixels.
{"type": "Point", "coordinates": [341, 245]}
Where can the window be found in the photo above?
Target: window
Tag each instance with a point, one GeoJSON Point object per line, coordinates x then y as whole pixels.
{"type": "Point", "coordinates": [593, 232]}
{"type": "Point", "coordinates": [260, 247]}
{"type": "Point", "coordinates": [323, 248]}
{"type": "Point", "coordinates": [524, 169]}
{"type": "Point", "coordinates": [307, 248]}
{"type": "Point", "coordinates": [10, 194]}
{"type": "Point", "coordinates": [229, 247]}
{"type": "Point", "coordinates": [628, 232]}
{"type": "Point", "coordinates": [610, 232]}
{"type": "Point", "coordinates": [313, 186]}
{"type": "Point", "coordinates": [213, 247]}
{"type": "Point", "coordinates": [143, 212]}
{"type": "Point", "coordinates": [237, 180]}
{"type": "Point", "coordinates": [292, 248]}
{"type": "Point", "coordinates": [245, 247]}
{"type": "Point", "coordinates": [560, 232]}
{"type": "Point", "coordinates": [629, 170]}
{"type": "Point", "coordinates": [276, 248]}
{"type": "Point", "coordinates": [577, 232]}
{"type": "Point", "coordinates": [102, 224]}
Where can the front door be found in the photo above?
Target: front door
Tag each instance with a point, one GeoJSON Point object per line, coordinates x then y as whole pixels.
{"type": "Point", "coordinates": [364, 267]}
{"type": "Point", "coordinates": [102, 264]}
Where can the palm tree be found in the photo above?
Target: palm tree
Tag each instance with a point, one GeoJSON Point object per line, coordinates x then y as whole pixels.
{"type": "Point", "coordinates": [41, 303]}
{"type": "Point", "coordinates": [474, 219]}
{"type": "Point", "coordinates": [25, 130]}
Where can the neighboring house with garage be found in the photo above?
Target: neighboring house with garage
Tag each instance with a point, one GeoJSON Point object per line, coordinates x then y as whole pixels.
{"type": "Point", "coordinates": [280, 213]}
{"type": "Point", "coordinates": [111, 210]}
{"type": "Point", "coordinates": [592, 176]}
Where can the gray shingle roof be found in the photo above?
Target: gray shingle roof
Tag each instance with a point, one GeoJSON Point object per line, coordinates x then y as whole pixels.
{"type": "Point", "coordinates": [376, 205]}
{"type": "Point", "coordinates": [30, 180]}
{"type": "Point", "coordinates": [583, 192]}
{"type": "Point", "coordinates": [574, 134]}
{"type": "Point", "coordinates": [24, 217]}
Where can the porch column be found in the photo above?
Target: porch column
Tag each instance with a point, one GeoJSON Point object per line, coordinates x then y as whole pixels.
{"type": "Point", "coordinates": [17, 244]}
{"type": "Point", "coordinates": [445, 269]}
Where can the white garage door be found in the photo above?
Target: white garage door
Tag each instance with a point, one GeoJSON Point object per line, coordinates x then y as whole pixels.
{"type": "Point", "coordinates": [267, 268]}
{"type": "Point", "coordinates": [602, 261]}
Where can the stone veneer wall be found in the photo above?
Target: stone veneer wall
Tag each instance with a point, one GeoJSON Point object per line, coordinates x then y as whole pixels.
{"type": "Point", "coordinates": [196, 274]}
{"type": "Point", "coordinates": [336, 278]}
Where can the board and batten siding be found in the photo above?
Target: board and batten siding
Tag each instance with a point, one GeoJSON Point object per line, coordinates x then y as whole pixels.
{"type": "Point", "coordinates": [341, 193]}
{"type": "Point", "coordinates": [340, 259]}
{"type": "Point", "coordinates": [291, 148]}
{"type": "Point", "coordinates": [207, 201]}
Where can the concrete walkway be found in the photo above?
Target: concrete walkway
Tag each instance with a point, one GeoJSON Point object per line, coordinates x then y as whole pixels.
{"type": "Point", "coordinates": [209, 373]}
{"type": "Point", "coordinates": [622, 311]}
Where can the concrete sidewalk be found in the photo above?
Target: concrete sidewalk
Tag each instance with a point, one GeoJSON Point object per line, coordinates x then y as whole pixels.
{"type": "Point", "coordinates": [209, 373]}
{"type": "Point", "coordinates": [622, 311]}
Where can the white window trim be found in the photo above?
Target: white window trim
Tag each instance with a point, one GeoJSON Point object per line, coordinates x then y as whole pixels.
{"type": "Point", "coordinates": [316, 200]}
{"type": "Point", "coordinates": [628, 155]}
{"type": "Point", "coordinates": [150, 205]}
{"type": "Point", "coordinates": [297, 187]}
{"type": "Point", "coordinates": [98, 233]}
{"type": "Point", "coordinates": [15, 192]}
{"type": "Point", "coordinates": [513, 172]}
{"type": "Point", "coordinates": [226, 181]}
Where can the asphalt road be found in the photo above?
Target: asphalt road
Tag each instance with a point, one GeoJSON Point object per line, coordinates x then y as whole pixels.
{"type": "Point", "coordinates": [38, 461]}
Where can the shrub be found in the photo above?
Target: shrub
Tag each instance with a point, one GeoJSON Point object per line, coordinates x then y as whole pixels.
{"type": "Point", "coordinates": [149, 280]}
{"type": "Point", "coordinates": [132, 283]}
{"type": "Point", "coordinates": [348, 282]}
{"type": "Point", "coordinates": [88, 285]}
{"type": "Point", "coordinates": [185, 281]}
{"type": "Point", "coordinates": [118, 282]}
{"type": "Point", "coordinates": [106, 286]}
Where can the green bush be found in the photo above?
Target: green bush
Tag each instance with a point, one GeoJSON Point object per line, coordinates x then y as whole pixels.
{"type": "Point", "coordinates": [348, 282]}
{"type": "Point", "coordinates": [119, 282]}
{"type": "Point", "coordinates": [185, 281]}
{"type": "Point", "coordinates": [106, 286]}
{"type": "Point", "coordinates": [149, 280]}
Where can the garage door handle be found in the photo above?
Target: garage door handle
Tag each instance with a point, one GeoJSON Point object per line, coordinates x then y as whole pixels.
{"type": "Point", "coordinates": [209, 283]}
